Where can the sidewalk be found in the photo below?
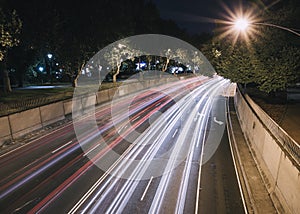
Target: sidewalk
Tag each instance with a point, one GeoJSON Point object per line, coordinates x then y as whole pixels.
{"type": "Point", "coordinates": [256, 196]}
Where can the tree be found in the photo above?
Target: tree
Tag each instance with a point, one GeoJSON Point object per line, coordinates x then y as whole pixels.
{"type": "Point", "coordinates": [279, 69]}
{"type": "Point", "coordinates": [117, 54]}
{"type": "Point", "coordinates": [238, 63]}
{"type": "Point", "coordinates": [74, 58]}
{"type": "Point", "coordinates": [196, 60]}
{"type": "Point", "coordinates": [10, 29]}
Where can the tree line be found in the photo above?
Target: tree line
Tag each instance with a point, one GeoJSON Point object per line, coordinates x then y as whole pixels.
{"type": "Point", "coordinates": [72, 31]}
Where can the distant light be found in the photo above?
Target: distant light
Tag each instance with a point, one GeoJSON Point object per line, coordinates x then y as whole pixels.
{"type": "Point", "coordinates": [121, 46]}
{"type": "Point", "coordinates": [140, 65]}
{"type": "Point", "coordinates": [56, 64]}
{"type": "Point", "coordinates": [41, 69]}
{"type": "Point", "coordinates": [49, 56]}
{"type": "Point", "coordinates": [241, 24]}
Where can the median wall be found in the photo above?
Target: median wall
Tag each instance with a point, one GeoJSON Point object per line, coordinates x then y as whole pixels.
{"type": "Point", "coordinates": [277, 154]}
{"type": "Point", "coordinates": [18, 124]}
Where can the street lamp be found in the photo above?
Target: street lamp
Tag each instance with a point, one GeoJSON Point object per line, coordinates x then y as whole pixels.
{"type": "Point", "coordinates": [242, 24]}
{"type": "Point", "coordinates": [49, 55]}
{"type": "Point", "coordinates": [41, 69]}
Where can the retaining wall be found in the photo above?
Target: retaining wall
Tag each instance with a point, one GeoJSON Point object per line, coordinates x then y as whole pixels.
{"type": "Point", "coordinates": [276, 153]}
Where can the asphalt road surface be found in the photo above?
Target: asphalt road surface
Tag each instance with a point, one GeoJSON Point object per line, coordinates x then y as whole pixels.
{"type": "Point", "coordinates": [162, 150]}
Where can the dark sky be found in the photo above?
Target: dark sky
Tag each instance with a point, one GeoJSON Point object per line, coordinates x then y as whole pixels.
{"type": "Point", "coordinates": [195, 16]}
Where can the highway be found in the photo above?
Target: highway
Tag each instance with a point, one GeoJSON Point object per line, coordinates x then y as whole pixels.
{"type": "Point", "coordinates": [146, 156]}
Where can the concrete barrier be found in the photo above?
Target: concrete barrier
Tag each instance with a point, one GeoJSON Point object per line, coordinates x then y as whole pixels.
{"type": "Point", "coordinates": [102, 96]}
{"type": "Point", "coordinates": [5, 133]}
{"type": "Point", "coordinates": [67, 107]}
{"type": "Point", "coordinates": [280, 171]}
{"type": "Point", "coordinates": [112, 93]}
{"type": "Point", "coordinates": [25, 122]}
{"type": "Point", "coordinates": [89, 101]}
{"type": "Point", "coordinates": [52, 113]}
{"type": "Point", "coordinates": [123, 90]}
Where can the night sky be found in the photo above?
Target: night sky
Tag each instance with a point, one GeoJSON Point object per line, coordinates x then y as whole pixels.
{"type": "Point", "coordinates": [196, 16]}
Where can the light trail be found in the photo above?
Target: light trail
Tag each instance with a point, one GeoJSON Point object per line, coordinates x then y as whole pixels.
{"type": "Point", "coordinates": [148, 134]}
{"type": "Point", "coordinates": [131, 183]}
{"type": "Point", "coordinates": [170, 127]}
{"type": "Point", "coordinates": [162, 188]}
{"type": "Point", "coordinates": [92, 137]}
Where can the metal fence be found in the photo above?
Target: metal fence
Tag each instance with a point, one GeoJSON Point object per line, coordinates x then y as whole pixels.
{"type": "Point", "coordinates": [22, 105]}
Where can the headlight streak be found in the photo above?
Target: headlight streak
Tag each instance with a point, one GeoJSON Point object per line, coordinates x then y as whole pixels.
{"type": "Point", "coordinates": [47, 159]}
{"type": "Point", "coordinates": [196, 139]}
{"type": "Point", "coordinates": [161, 190]}
{"type": "Point", "coordinates": [62, 187]}
{"type": "Point", "coordinates": [147, 134]}
{"type": "Point", "coordinates": [172, 159]}
{"type": "Point", "coordinates": [47, 162]}
{"type": "Point", "coordinates": [68, 182]}
{"type": "Point", "coordinates": [133, 153]}
{"type": "Point", "coordinates": [128, 188]}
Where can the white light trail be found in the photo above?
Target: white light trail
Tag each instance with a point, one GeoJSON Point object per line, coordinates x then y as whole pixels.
{"type": "Point", "coordinates": [154, 137]}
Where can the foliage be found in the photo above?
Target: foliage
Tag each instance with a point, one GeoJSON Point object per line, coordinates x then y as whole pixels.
{"type": "Point", "coordinates": [271, 59]}
{"type": "Point", "coordinates": [10, 29]}
{"type": "Point", "coordinates": [237, 63]}
{"type": "Point", "coordinates": [119, 53]}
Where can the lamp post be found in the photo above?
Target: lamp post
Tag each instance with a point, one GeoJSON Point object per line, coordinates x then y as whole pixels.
{"type": "Point", "coordinates": [49, 55]}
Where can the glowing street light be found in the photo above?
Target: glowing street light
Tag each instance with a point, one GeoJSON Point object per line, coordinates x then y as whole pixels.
{"type": "Point", "coordinates": [41, 69]}
{"type": "Point", "coordinates": [244, 23]}
{"type": "Point", "coordinates": [241, 24]}
{"type": "Point", "coordinates": [49, 55]}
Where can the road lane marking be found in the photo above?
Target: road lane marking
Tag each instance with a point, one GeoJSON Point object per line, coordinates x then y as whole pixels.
{"type": "Point", "coordinates": [200, 115]}
{"type": "Point", "coordinates": [136, 118]}
{"type": "Point", "coordinates": [218, 122]}
{"type": "Point", "coordinates": [147, 187]}
{"type": "Point", "coordinates": [175, 133]}
{"type": "Point", "coordinates": [24, 205]}
{"type": "Point", "coordinates": [63, 146]}
{"type": "Point", "coordinates": [86, 153]}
